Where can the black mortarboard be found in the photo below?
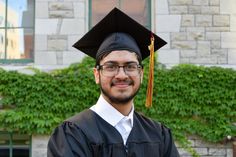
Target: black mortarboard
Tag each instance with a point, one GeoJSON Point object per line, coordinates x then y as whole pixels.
{"type": "Point", "coordinates": [118, 31]}
{"type": "Point", "coordinates": [117, 21]}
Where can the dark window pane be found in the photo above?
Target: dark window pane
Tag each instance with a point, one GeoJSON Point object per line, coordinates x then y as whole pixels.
{"type": "Point", "coordinates": [21, 152]}
{"type": "Point", "coordinates": [19, 143]}
{"type": "Point", "coordinates": [20, 13]}
{"type": "Point", "coordinates": [20, 43]}
{"type": "Point", "coordinates": [4, 144]}
{"type": "Point", "coordinates": [4, 152]}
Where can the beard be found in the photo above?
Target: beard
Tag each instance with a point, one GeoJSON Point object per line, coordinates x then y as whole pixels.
{"type": "Point", "coordinates": [119, 100]}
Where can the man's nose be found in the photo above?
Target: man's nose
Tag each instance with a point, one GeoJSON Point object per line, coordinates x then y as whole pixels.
{"type": "Point", "coordinates": [121, 72]}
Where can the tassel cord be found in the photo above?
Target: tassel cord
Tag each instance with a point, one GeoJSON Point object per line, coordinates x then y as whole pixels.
{"type": "Point", "coordinates": [149, 95]}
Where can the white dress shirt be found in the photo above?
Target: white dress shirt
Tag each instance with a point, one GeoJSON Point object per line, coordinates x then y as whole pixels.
{"type": "Point", "coordinates": [122, 123]}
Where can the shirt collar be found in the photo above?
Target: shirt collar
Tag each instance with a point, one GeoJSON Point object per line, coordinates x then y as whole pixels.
{"type": "Point", "coordinates": [109, 113]}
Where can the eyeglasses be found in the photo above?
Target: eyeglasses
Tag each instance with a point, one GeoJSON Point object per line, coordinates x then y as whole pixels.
{"type": "Point", "coordinates": [112, 69]}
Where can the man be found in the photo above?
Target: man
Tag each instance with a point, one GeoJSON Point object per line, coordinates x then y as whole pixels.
{"type": "Point", "coordinates": [111, 127]}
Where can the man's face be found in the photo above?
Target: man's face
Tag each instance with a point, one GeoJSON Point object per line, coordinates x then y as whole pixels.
{"type": "Point", "coordinates": [120, 88]}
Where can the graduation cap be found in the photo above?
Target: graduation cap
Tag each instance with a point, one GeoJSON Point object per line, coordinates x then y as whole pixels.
{"type": "Point", "coordinates": [118, 31]}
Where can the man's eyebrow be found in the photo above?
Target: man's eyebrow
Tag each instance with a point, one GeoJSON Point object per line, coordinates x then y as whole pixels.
{"type": "Point", "coordinates": [111, 62]}
{"type": "Point", "coordinates": [131, 62]}
{"type": "Point", "coordinates": [115, 62]}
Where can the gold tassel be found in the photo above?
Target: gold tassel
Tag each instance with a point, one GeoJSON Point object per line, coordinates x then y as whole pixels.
{"type": "Point", "coordinates": [151, 75]}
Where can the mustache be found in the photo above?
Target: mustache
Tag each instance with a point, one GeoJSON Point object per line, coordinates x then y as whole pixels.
{"type": "Point", "coordinates": [127, 82]}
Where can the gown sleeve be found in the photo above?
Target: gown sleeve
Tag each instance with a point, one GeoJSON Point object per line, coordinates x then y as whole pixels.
{"type": "Point", "coordinates": [68, 140]}
{"type": "Point", "coordinates": [170, 149]}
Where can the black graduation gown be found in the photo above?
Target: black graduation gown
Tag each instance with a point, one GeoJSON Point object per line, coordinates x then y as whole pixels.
{"type": "Point", "coordinates": [88, 135]}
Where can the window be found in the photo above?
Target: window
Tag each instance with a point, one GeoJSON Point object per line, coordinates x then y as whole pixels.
{"type": "Point", "coordinates": [16, 31]}
{"type": "Point", "coordinates": [14, 145]}
{"type": "Point", "coordinates": [140, 10]}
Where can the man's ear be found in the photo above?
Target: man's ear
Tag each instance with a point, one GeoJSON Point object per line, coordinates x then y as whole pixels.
{"type": "Point", "coordinates": [96, 75]}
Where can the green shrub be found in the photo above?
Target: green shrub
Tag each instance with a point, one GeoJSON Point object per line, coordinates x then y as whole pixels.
{"type": "Point", "coordinates": [191, 100]}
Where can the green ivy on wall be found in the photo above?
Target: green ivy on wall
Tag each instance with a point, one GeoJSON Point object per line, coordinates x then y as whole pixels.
{"type": "Point", "coordinates": [191, 100]}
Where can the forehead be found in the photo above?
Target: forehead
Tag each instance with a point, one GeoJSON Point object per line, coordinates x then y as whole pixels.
{"type": "Point", "coordinates": [120, 56]}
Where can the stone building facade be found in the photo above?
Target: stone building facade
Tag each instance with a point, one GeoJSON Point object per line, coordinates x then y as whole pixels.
{"type": "Point", "coordinates": [197, 31]}
{"type": "Point", "coordinates": [58, 25]}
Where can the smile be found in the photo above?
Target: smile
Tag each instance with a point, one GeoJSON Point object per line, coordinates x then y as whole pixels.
{"type": "Point", "coordinates": [121, 85]}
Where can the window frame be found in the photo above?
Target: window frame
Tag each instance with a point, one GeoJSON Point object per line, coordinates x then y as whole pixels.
{"type": "Point", "coordinates": [11, 145]}
{"type": "Point", "coordinates": [5, 28]}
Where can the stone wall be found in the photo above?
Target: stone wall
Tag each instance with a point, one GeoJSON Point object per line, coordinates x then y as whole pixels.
{"type": "Point", "coordinates": [197, 31]}
{"type": "Point", "coordinates": [58, 25]}
{"type": "Point", "coordinates": [39, 145]}
{"type": "Point", "coordinates": [206, 149]}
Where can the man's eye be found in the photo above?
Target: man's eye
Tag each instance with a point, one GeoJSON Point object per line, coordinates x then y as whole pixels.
{"type": "Point", "coordinates": [131, 67]}
{"type": "Point", "coordinates": [110, 67]}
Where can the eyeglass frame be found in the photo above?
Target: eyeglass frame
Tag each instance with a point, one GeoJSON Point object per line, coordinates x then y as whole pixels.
{"type": "Point", "coordinates": [124, 67]}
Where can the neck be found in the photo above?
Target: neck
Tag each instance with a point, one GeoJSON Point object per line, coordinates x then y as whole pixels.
{"type": "Point", "coordinates": [123, 108]}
